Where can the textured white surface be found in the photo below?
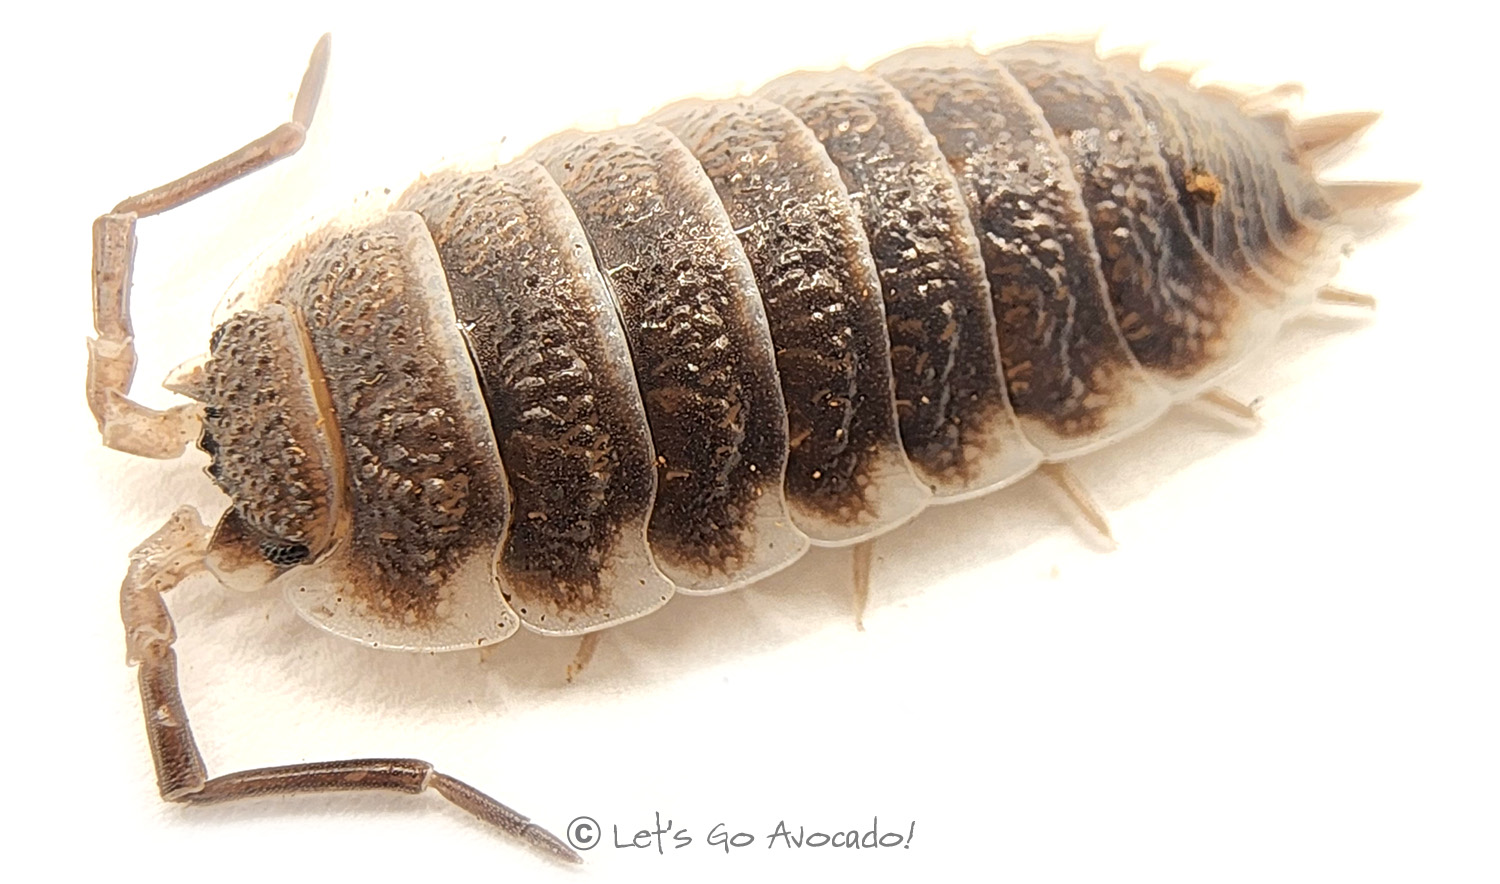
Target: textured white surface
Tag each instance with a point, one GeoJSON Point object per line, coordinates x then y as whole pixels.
{"type": "Point", "coordinates": [1287, 671]}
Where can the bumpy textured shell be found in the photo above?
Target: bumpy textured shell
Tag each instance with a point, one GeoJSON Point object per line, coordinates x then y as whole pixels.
{"type": "Point", "coordinates": [671, 356]}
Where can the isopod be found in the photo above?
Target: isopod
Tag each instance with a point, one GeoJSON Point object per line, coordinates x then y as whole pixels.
{"type": "Point", "coordinates": [672, 356]}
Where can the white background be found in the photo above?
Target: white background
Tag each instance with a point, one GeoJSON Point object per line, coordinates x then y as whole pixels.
{"type": "Point", "coordinates": [1287, 670]}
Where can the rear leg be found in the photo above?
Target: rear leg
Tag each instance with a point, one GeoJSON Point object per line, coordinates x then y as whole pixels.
{"type": "Point", "coordinates": [124, 424]}
{"type": "Point", "coordinates": [164, 560]}
{"type": "Point", "coordinates": [1225, 404]}
{"type": "Point", "coordinates": [1338, 297]}
{"type": "Point", "coordinates": [863, 554]}
{"type": "Point", "coordinates": [586, 648]}
{"type": "Point", "coordinates": [1083, 502]}
{"type": "Point", "coordinates": [1222, 402]}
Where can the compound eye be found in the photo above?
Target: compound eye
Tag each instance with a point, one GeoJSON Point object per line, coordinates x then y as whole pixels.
{"type": "Point", "coordinates": [284, 555]}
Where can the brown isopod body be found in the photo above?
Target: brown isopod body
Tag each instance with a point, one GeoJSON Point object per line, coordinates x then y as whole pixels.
{"type": "Point", "coordinates": [671, 356]}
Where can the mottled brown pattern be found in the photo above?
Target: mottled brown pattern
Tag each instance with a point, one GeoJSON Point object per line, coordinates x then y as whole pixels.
{"type": "Point", "coordinates": [1295, 205]}
{"type": "Point", "coordinates": [1176, 311]}
{"type": "Point", "coordinates": [1065, 363]}
{"type": "Point", "coordinates": [1246, 245]}
{"type": "Point", "coordinates": [944, 351]}
{"type": "Point", "coordinates": [1190, 155]}
{"type": "Point", "coordinates": [563, 404]}
{"type": "Point", "coordinates": [264, 432]}
{"type": "Point", "coordinates": [821, 295]}
{"type": "Point", "coordinates": [1264, 210]}
{"type": "Point", "coordinates": [697, 334]}
{"type": "Point", "coordinates": [425, 484]}
{"type": "Point", "coordinates": [1038, 225]}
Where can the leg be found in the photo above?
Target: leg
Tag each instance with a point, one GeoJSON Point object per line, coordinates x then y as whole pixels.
{"type": "Point", "coordinates": [863, 553]}
{"type": "Point", "coordinates": [584, 655]}
{"type": "Point", "coordinates": [1330, 294]}
{"type": "Point", "coordinates": [163, 561]}
{"type": "Point", "coordinates": [125, 424]}
{"type": "Point", "coordinates": [1087, 507]}
{"type": "Point", "coordinates": [1225, 404]}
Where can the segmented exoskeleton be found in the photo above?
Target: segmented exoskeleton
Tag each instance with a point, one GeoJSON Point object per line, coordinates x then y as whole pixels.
{"type": "Point", "coordinates": [671, 356]}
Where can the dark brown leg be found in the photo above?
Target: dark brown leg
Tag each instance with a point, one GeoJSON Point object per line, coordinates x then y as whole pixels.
{"type": "Point", "coordinates": [279, 143]}
{"type": "Point", "coordinates": [125, 424]}
{"type": "Point", "coordinates": [164, 560]}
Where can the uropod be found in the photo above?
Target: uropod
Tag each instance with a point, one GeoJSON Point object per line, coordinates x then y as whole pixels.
{"type": "Point", "coordinates": [672, 356]}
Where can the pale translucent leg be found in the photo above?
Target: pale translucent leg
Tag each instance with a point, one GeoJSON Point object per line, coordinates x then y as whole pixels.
{"type": "Point", "coordinates": [863, 555]}
{"type": "Point", "coordinates": [1080, 496]}
{"type": "Point", "coordinates": [164, 560]}
{"type": "Point", "coordinates": [1336, 296]}
{"type": "Point", "coordinates": [1222, 402]}
{"type": "Point", "coordinates": [125, 424]}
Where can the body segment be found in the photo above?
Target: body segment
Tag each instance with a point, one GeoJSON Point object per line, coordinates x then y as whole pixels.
{"type": "Point", "coordinates": [1070, 374]}
{"type": "Point", "coordinates": [552, 360]}
{"type": "Point", "coordinates": [957, 424]}
{"type": "Point", "coordinates": [847, 476]}
{"type": "Point", "coordinates": [673, 355]}
{"type": "Point", "coordinates": [703, 353]}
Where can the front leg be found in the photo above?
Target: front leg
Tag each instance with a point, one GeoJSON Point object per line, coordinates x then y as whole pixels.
{"type": "Point", "coordinates": [124, 424]}
{"type": "Point", "coordinates": [165, 559]}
